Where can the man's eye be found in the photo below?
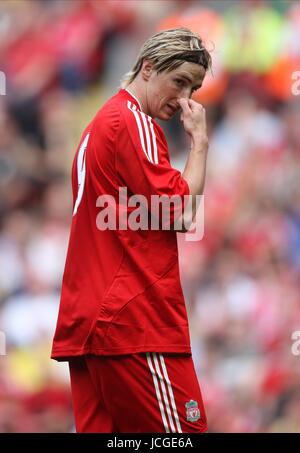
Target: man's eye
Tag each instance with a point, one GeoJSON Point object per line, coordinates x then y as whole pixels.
{"type": "Point", "coordinates": [179, 82]}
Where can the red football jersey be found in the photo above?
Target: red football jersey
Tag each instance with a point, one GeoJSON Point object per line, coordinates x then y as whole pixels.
{"type": "Point", "coordinates": [121, 290]}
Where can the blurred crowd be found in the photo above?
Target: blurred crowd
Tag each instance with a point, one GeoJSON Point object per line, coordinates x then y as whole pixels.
{"type": "Point", "coordinates": [62, 59]}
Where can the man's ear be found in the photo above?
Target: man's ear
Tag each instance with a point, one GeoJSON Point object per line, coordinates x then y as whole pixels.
{"type": "Point", "coordinates": [147, 69]}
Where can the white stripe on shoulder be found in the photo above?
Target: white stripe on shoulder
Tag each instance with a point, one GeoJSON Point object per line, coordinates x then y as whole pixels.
{"type": "Point", "coordinates": [147, 131]}
{"type": "Point", "coordinates": [132, 107]}
{"type": "Point", "coordinates": [158, 394]}
{"type": "Point", "coordinates": [154, 140]}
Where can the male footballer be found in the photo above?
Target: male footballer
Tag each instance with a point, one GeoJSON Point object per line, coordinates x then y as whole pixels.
{"type": "Point", "coordinates": [122, 323]}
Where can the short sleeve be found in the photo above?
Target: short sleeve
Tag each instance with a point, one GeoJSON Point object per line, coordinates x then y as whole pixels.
{"type": "Point", "coordinates": [142, 158]}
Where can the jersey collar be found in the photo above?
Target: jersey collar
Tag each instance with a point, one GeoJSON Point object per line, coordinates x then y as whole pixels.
{"type": "Point", "coordinates": [132, 95]}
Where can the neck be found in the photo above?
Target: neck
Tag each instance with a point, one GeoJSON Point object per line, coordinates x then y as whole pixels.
{"type": "Point", "coordinates": [140, 93]}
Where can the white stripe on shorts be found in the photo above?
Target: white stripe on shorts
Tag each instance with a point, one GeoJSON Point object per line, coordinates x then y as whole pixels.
{"type": "Point", "coordinates": [165, 373]}
{"type": "Point", "coordinates": [164, 383]}
{"type": "Point", "coordinates": [158, 394]}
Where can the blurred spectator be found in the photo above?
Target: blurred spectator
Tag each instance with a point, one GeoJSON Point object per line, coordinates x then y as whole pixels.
{"type": "Point", "coordinates": [62, 59]}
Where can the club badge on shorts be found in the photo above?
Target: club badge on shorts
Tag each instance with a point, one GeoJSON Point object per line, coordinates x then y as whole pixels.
{"type": "Point", "coordinates": [192, 411]}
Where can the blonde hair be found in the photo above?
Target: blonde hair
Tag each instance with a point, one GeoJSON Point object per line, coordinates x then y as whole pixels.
{"type": "Point", "coordinates": [167, 50]}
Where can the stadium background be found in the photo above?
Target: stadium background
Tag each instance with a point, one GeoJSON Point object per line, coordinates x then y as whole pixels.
{"type": "Point", "coordinates": [62, 59]}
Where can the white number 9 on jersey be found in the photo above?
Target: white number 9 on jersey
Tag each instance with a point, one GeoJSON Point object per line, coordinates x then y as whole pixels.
{"type": "Point", "coordinates": [81, 172]}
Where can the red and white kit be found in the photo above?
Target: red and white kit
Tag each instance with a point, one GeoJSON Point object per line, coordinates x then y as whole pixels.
{"type": "Point", "coordinates": [121, 295]}
{"type": "Point", "coordinates": [136, 393]}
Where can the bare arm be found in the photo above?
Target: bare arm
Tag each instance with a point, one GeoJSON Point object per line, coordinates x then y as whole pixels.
{"type": "Point", "coordinates": [194, 123]}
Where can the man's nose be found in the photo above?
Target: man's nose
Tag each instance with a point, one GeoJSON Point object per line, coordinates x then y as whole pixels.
{"type": "Point", "coordinates": [186, 93]}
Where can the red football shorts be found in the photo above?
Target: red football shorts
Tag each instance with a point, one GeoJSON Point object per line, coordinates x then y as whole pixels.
{"type": "Point", "coordinates": [149, 392]}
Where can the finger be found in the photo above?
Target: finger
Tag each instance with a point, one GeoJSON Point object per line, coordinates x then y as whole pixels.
{"type": "Point", "coordinates": [184, 105]}
{"type": "Point", "coordinates": [195, 105]}
{"type": "Point", "coordinates": [191, 102]}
